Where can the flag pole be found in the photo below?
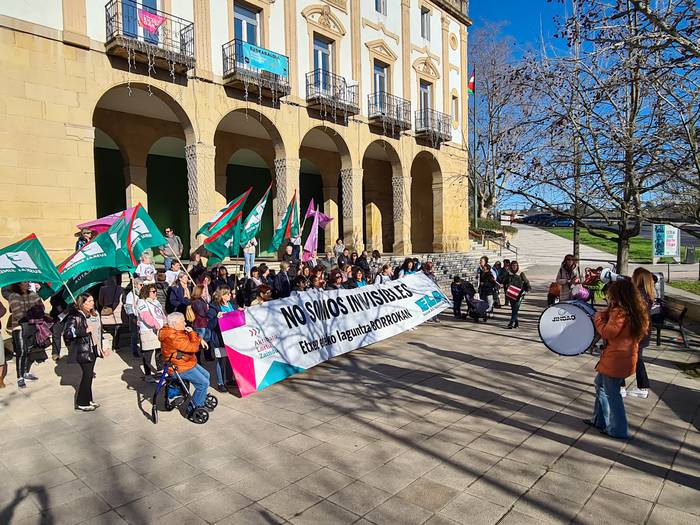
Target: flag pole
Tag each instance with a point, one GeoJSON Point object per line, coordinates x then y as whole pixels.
{"type": "Point", "coordinates": [69, 292]}
{"type": "Point", "coordinates": [184, 268]}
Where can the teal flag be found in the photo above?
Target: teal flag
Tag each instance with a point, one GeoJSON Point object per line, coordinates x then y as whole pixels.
{"type": "Point", "coordinates": [26, 260]}
{"type": "Point", "coordinates": [252, 223]}
{"type": "Point", "coordinates": [141, 234]}
{"type": "Point", "coordinates": [288, 227]}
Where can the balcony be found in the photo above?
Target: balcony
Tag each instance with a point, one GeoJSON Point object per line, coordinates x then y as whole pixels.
{"type": "Point", "coordinates": [254, 68]}
{"type": "Point", "coordinates": [433, 125]}
{"type": "Point", "coordinates": [457, 8]}
{"type": "Point", "coordinates": [330, 94]}
{"type": "Point", "coordinates": [389, 111]}
{"type": "Point", "coordinates": [149, 36]}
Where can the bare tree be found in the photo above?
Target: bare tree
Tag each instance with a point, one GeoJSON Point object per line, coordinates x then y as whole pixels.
{"type": "Point", "coordinates": [502, 145]}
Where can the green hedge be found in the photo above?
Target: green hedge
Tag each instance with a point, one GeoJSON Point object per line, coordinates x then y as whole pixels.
{"type": "Point", "coordinates": [494, 227]}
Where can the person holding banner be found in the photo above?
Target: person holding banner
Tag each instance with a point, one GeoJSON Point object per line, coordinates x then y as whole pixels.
{"type": "Point", "coordinates": [221, 303]}
{"type": "Point", "coordinates": [21, 300]}
{"type": "Point", "coordinates": [384, 275]}
{"type": "Point", "coordinates": [335, 280]}
{"type": "Point", "coordinates": [623, 324]}
{"type": "Point", "coordinates": [357, 280]}
{"type": "Point", "coordinates": [83, 335]}
{"type": "Point", "coordinates": [516, 285]}
{"type": "Point", "coordinates": [298, 285]}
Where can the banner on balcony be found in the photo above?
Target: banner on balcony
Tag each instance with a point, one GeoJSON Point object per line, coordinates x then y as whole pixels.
{"type": "Point", "coordinates": [150, 21]}
{"type": "Point", "coordinates": [272, 341]}
{"type": "Point", "coordinates": [264, 59]}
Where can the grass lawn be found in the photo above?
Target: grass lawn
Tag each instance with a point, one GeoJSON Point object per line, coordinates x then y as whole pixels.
{"type": "Point", "coordinates": [688, 286]}
{"type": "Point", "coordinates": [640, 249]}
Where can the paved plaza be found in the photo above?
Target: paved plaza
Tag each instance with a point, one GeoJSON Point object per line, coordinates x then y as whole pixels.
{"type": "Point", "coordinates": [451, 423]}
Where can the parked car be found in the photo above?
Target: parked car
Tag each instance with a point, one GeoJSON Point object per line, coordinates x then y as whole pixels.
{"type": "Point", "coordinates": [561, 222]}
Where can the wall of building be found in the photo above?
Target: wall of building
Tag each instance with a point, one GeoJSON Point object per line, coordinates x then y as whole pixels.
{"type": "Point", "coordinates": [49, 109]}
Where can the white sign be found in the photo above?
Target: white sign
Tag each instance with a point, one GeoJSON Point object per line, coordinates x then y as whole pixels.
{"type": "Point", "coordinates": [269, 342]}
{"type": "Point", "coordinates": [666, 242]}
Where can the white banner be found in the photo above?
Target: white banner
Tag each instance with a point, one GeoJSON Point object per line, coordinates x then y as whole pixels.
{"type": "Point", "coordinates": [269, 342]}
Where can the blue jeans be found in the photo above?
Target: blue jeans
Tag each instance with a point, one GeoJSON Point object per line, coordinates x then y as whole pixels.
{"type": "Point", "coordinates": [222, 371]}
{"type": "Point", "coordinates": [609, 409]}
{"type": "Point", "coordinates": [168, 262]}
{"type": "Point", "coordinates": [199, 378]}
{"type": "Point", "coordinates": [248, 262]}
{"type": "Point", "coordinates": [514, 309]}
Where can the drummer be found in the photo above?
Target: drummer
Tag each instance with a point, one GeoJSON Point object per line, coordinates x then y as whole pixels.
{"type": "Point", "coordinates": [623, 324]}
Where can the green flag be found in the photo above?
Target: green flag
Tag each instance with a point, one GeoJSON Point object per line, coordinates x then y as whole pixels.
{"type": "Point", "coordinates": [288, 227]}
{"type": "Point", "coordinates": [141, 233]}
{"type": "Point", "coordinates": [251, 225]}
{"type": "Point", "coordinates": [222, 217]}
{"type": "Point", "coordinates": [26, 260]}
{"type": "Point", "coordinates": [224, 239]}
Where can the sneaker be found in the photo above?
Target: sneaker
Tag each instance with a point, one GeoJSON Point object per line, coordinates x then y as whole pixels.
{"type": "Point", "coordinates": [221, 388]}
{"type": "Point", "coordinates": [30, 377]}
{"type": "Point", "coordinates": [641, 393]}
{"type": "Point", "coordinates": [88, 408]}
{"type": "Point", "coordinates": [55, 357]}
{"type": "Point", "coordinates": [623, 391]}
{"type": "Point", "coordinates": [150, 379]}
{"type": "Point", "coordinates": [96, 405]}
{"type": "Point", "coordinates": [21, 383]}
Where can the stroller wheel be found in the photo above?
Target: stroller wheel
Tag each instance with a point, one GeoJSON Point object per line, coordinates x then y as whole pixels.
{"type": "Point", "coordinates": [199, 415]}
{"type": "Point", "coordinates": [211, 402]}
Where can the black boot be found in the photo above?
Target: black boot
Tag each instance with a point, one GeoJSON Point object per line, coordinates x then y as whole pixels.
{"type": "Point", "coordinates": [515, 325]}
{"type": "Point", "coordinates": [510, 325]}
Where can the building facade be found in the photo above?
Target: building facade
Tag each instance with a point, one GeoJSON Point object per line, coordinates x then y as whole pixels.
{"type": "Point", "coordinates": [183, 104]}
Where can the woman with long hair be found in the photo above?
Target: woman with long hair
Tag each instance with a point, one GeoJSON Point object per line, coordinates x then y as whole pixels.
{"type": "Point", "coordinates": [568, 276]}
{"type": "Point", "coordinates": [221, 303]}
{"type": "Point", "coordinates": [644, 281]}
{"type": "Point", "coordinates": [407, 268]}
{"type": "Point", "coordinates": [178, 295]}
{"type": "Point", "coordinates": [623, 324]}
{"type": "Point", "coordinates": [514, 277]}
{"type": "Point", "coordinates": [151, 318]}
{"type": "Point", "coordinates": [357, 280]}
{"type": "Point", "coordinates": [83, 335]}
{"type": "Point", "coordinates": [21, 300]}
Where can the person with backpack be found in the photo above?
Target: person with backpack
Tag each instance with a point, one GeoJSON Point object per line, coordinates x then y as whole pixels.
{"type": "Point", "coordinates": [83, 337]}
{"type": "Point", "coordinates": [21, 300]}
{"type": "Point", "coordinates": [384, 275]}
{"type": "Point", "coordinates": [516, 285]}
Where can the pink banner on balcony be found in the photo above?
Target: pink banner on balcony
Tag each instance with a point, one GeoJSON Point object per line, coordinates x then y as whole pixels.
{"type": "Point", "coordinates": [150, 21]}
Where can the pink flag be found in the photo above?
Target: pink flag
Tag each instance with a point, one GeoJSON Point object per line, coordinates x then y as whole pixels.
{"type": "Point", "coordinates": [310, 210]}
{"type": "Point", "coordinates": [150, 21]}
{"type": "Point", "coordinates": [323, 219]}
{"type": "Point", "coordinates": [103, 224]}
{"type": "Point", "coordinates": [312, 240]}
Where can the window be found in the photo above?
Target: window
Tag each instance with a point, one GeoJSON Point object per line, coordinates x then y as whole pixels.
{"type": "Point", "coordinates": [130, 19]}
{"type": "Point", "coordinates": [425, 23]}
{"type": "Point", "coordinates": [323, 60]}
{"type": "Point", "coordinates": [426, 96]}
{"type": "Point", "coordinates": [380, 85]}
{"type": "Point", "coordinates": [455, 108]}
{"type": "Point", "coordinates": [380, 6]}
{"type": "Point", "coordinates": [246, 24]}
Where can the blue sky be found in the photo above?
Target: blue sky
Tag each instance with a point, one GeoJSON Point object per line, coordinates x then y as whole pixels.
{"type": "Point", "coordinates": [526, 19]}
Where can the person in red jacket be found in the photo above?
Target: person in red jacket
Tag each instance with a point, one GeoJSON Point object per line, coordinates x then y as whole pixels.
{"type": "Point", "coordinates": [179, 346]}
{"type": "Point", "coordinates": [622, 325]}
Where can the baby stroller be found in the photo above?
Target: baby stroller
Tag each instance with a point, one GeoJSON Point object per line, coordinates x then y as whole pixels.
{"type": "Point", "coordinates": [168, 382]}
{"type": "Point", "coordinates": [476, 308]}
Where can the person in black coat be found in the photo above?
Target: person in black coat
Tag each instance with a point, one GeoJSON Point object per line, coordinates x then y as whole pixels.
{"type": "Point", "coordinates": [282, 285]}
{"type": "Point", "coordinates": [293, 261]}
{"type": "Point", "coordinates": [250, 291]}
{"type": "Point", "coordinates": [83, 337]}
{"type": "Point", "coordinates": [178, 295]}
{"type": "Point", "coordinates": [363, 262]}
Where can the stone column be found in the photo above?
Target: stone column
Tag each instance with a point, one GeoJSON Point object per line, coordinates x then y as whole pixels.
{"type": "Point", "coordinates": [373, 224]}
{"type": "Point", "coordinates": [401, 186]}
{"type": "Point", "coordinates": [351, 179]}
{"type": "Point", "coordinates": [330, 208]}
{"type": "Point", "coordinates": [286, 183]}
{"type": "Point", "coordinates": [200, 186]}
{"type": "Point", "coordinates": [202, 42]}
{"type": "Point", "coordinates": [135, 178]}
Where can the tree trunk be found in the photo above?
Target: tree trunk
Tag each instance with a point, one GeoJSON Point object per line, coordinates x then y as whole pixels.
{"type": "Point", "coordinates": [623, 251]}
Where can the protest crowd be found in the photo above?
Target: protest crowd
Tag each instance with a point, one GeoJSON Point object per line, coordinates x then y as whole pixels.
{"type": "Point", "coordinates": [172, 312]}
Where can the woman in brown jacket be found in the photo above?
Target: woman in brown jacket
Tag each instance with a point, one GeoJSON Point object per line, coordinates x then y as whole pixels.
{"type": "Point", "coordinates": [623, 325]}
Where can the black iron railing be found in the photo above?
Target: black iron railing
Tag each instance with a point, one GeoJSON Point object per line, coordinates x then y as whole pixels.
{"type": "Point", "coordinates": [433, 123]}
{"type": "Point", "coordinates": [388, 108]}
{"type": "Point", "coordinates": [331, 91]}
{"type": "Point", "coordinates": [256, 65]}
{"type": "Point", "coordinates": [148, 29]}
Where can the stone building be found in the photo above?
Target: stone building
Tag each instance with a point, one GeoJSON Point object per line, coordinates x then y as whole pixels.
{"type": "Point", "coordinates": [183, 104]}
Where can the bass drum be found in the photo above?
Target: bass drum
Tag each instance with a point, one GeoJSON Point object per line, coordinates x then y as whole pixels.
{"type": "Point", "coordinates": [567, 328]}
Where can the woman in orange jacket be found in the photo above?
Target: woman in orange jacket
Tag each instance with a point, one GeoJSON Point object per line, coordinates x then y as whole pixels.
{"type": "Point", "coordinates": [623, 325]}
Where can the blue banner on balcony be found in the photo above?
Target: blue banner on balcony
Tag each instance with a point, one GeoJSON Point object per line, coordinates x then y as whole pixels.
{"type": "Point", "coordinates": [260, 58]}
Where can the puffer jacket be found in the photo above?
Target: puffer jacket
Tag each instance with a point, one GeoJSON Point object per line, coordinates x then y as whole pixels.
{"type": "Point", "coordinates": [181, 345]}
{"type": "Point", "coordinates": [619, 358]}
{"type": "Point", "coordinates": [78, 339]}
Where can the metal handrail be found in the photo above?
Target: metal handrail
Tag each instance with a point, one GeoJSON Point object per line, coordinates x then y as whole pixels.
{"type": "Point", "coordinates": [434, 122]}
{"type": "Point", "coordinates": [382, 105]}
{"type": "Point", "coordinates": [174, 34]}
{"type": "Point", "coordinates": [503, 245]}
{"type": "Point", "coordinates": [235, 64]}
{"type": "Point", "coordinates": [321, 83]}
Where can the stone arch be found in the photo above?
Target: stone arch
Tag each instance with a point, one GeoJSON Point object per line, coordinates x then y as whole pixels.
{"type": "Point", "coordinates": [426, 201]}
{"type": "Point", "coordinates": [325, 148]}
{"type": "Point", "coordinates": [381, 178]}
